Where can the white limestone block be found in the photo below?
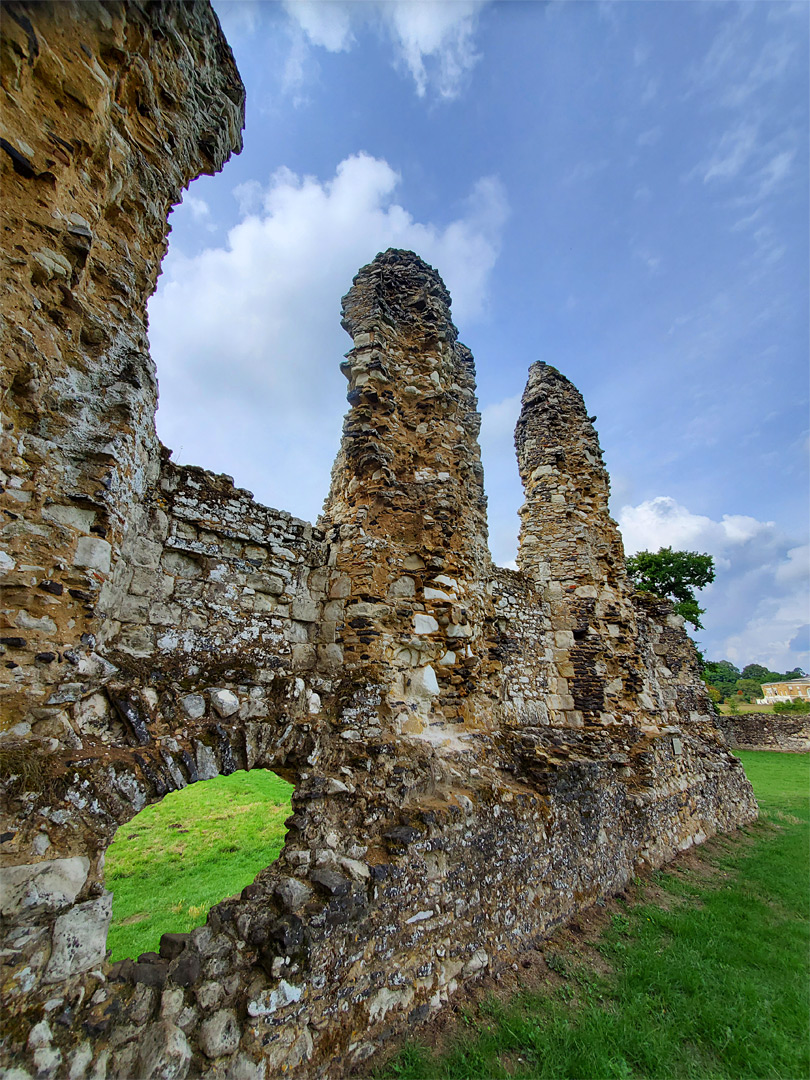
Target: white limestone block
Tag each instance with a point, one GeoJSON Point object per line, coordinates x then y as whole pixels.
{"type": "Point", "coordinates": [404, 586]}
{"type": "Point", "coordinates": [423, 683]}
{"type": "Point", "coordinates": [269, 1001]}
{"type": "Point", "coordinates": [52, 884]}
{"type": "Point", "coordinates": [435, 594]}
{"type": "Point", "coordinates": [224, 702]}
{"type": "Point", "coordinates": [79, 939]}
{"type": "Point", "coordinates": [94, 553]}
{"type": "Point", "coordinates": [424, 624]}
{"type": "Point", "coordinates": [75, 517]}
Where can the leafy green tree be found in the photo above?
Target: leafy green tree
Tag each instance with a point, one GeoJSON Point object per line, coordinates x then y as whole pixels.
{"type": "Point", "coordinates": [714, 693]}
{"type": "Point", "coordinates": [723, 675]}
{"type": "Point", "coordinates": [675, 576]}
{"type": "Point", "coordinates": [758, 672]}
{"type": "Point", "coordinates": [750, 689]}
{"type": "Point", "coordinates": [765, 675]}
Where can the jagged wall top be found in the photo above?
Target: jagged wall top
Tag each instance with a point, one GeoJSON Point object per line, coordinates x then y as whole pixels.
{"type": "Point", "coordinates": [398, 288]}
{"type": "Point", "coordinates": [567, 534]}
{"type": "Point", "coordinates": [109, 111]}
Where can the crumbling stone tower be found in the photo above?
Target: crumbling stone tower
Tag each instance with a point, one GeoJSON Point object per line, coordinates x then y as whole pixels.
{"type": "Point", "coordinates": [477, 753]}
{"type": "Point", "coordinates": [407, 499]}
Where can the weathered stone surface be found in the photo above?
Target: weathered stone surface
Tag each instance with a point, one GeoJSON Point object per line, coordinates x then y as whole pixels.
{"type": "Point", "coordinates": [164, 1053]}
{"type": "Point", "coordinates": [79, 939]}
{"type": "Point", "coordinates": [52, 884]}
{"type": "Point", "coordinates": [193, 705]}
{"type": "Point", "coordinates": [477, 753]}
{"type": "Point", "coordinates": [224, 702]}
{"type": "Point", "coordinates": [269, 1001]}
{"type": "Point", "coordinates": [766, 731]}
{"type": "Point", "coordinates": [219, 1034]}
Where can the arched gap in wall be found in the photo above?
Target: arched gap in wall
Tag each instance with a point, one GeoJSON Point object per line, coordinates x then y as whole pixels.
{"type": "Point", "coordinates": [174, 860]}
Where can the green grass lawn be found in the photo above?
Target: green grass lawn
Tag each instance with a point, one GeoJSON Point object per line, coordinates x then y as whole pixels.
{"type": "Point", "coordinates": [176, 859]}
{"type": "Point", "coordinates": [744, 707]}
{"type": "Point", "coordinates": [712, 982]}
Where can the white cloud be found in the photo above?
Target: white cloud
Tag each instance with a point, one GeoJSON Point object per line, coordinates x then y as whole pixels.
{"type": "Point", "coordinates": [585, 170]}
{"type": "Point", "coordinates": [247, 336]}
{"type": "Point", "coordinates": [759, 600]}
{"type": "Point", "coordinates": [774, 172]}
{"type": "Point", "coordinates": [200, 211]}
{"type": "Point", "coordinates": [325, 24]}
{"type": "Point", "coordinates": [650, 91]}
{"type": "Point", "coordinates": [435, 42]}
{"type": "Point", "coordinates": [740, 64]}
{"type": "Point", "coordinates": [649, 258]}
{"type": "Point", "coordinates": [733, 151]}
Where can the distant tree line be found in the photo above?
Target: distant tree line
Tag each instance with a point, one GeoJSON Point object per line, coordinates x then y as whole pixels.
{"type": "Point", "coordinates": [727, 683]}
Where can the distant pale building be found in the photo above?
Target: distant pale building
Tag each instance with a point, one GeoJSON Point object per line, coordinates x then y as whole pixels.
{"type": "Point", "coordinates": [785, 691]}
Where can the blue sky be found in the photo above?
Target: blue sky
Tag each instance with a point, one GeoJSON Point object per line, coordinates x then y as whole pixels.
{"type": "Point", "coordinates": [618, 189]}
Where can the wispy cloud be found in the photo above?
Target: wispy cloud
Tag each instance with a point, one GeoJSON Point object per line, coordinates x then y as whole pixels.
{"type": "Point", "coordinates": [585, 170]}
{"type": "Point", "coordinates": [771, 175]}
{"type": "Point", "coordinates": [433, 42]}
{"type": "Point", "coordinates": [650, 91]}
{"type": "Point", "coordinates": [649, 258]}
{"type": "Point", "coordinates": [732, 153]}
{"type": "Point", "coordinates": [739, 63]}
{"type": "Point", "coordinates": [200, 212]}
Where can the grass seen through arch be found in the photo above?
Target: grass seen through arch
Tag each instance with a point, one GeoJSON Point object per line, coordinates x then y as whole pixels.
{"type": "Point", "coordinates": [176, 859]}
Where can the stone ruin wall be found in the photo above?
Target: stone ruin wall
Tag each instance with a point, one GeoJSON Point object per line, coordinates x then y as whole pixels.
{"type": "Point", "coordinates": [766, 731]}
{"type": "Point", "coordinates": [477, 753]}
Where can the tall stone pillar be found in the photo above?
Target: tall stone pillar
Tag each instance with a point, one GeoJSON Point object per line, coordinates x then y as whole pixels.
{"type": "Point", "coordinates": [407, 499]}
{"type": "Point", "coordinates": [572, 550]}
{"type": "Point", "coordinates": [567, 534]}
{"type": "Point", "coordinates": [127, 112]}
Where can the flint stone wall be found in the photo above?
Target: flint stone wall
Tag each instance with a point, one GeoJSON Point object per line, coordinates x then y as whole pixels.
{"type": "Point", "coordinates": [766, 731]}
{"type": "Point", "coordinates": [477, 753]}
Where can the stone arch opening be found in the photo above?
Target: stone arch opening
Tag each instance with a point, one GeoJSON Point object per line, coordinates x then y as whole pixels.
{"type": "Point", "coordinates": [178, 857]}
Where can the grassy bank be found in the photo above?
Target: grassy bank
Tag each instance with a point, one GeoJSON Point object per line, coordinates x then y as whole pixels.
{"type": "Point", "coordinates": [176, 859]}
{"type": "Point", "coordinates": [746, 708]}
{"type": "Point", "coordinates": [709, 981]}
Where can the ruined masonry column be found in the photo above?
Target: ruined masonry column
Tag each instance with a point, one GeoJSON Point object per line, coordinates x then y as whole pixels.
{"type": "Point", "coordinates": [571, 548]}
{"type": "Point", "coordinates": [108, 112]}
{"type": "Point", "coordinates": [407, 500]}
